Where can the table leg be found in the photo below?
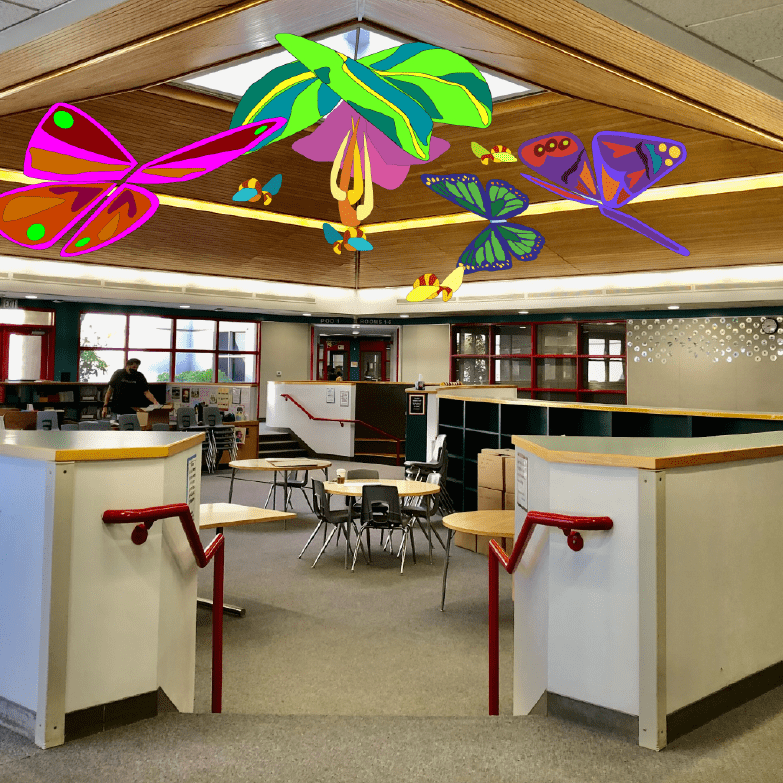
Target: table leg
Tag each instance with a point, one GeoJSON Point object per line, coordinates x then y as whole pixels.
{"type": "Point", "coordinates": [446, 568]}
{"type": "Point", "coordinates": [231, 486]}
{"type": "Point", "coordinates": [208, 603]}
{"type": "Point", "coordinates": [429, 523]}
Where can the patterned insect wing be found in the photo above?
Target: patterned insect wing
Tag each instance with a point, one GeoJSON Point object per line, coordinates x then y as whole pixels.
{"type": "Point", "coordinates": [452, 282]}
{"type": "Point", "coordinates": [273, 186]}
{"type": "Point", "coordinates": [504, 200]}
{"type": "Point", "coordinates": [120, 214]}
{"type": "Point", "coordinates": [626, 164]}
{"type": "Point", "coordinates": [38, 215]}
{"type": "Point", "coordinates": [523, 242]}
{"type": "Point", "coordinates": [464, 190]}
{"type": "Point", "coordinates": [503, 154]}
{"type": "Point", "coordinates": [206, 155]}
{"type": "Point", "coordinates": [244, 194]}
{"type": "Point", "coordinates": [70, 146]}
{"type": "Point", "coordinates": [359, 243]}
{"type": "Point", "coordinates": [642, 228]}
{"type": "Point", "coordinates": [332, 234]}
{"type": "Point", "coordinates": [561, 159]}
{"type": "Point", "coordinates": [488, 252]}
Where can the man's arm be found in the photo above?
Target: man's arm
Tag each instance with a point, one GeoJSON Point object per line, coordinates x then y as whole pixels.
{"type": "Point", "coordinates": [109, 391]}
{"type": "Point", "coordinates": [149, 396]}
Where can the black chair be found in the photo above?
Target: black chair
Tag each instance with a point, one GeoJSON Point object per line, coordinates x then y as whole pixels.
{"type": "Point", "coordinates": [128, 421]}
{"type": "Point", "coordinates": [339, 520]}
{"type": "Point", "coordinates": [186, 418]}
{"type": "Point", "coordinates": [95, 424]}
{"type": "Point", "coordinates": [46, 420]}
{"type": "Point", "coordinates": [381, 511]}
{"type": "Point", "coordinates": [160, 426]}
{"type": "Point", "coordinates": [70, 426]}
{"type": "Point", "coordinates": [292, 481]}
{"type": "Point", "coordinates": [418, 510]}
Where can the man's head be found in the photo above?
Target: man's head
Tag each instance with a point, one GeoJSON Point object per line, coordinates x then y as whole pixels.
{"type": "Point", "coordinates": [132, 365]}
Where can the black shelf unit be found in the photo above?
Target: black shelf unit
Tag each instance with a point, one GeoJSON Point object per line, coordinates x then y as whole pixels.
{"type": "Point", "coordinates": [472, 425]}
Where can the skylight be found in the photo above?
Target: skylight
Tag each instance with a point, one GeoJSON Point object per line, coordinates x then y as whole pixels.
{"type": "Point", "coordinates": [233, 80]}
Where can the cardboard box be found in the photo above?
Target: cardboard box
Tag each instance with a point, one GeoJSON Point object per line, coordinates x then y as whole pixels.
{"type": "Point", "coordinates": [465, 541]}
{"type": "Point", "coordinates": [490, 470]}
{"type": "Point", "coordinates": [489, 499]}
{"type": "Point", "coordinates": [508, 500]}
{"type": "Point", "coordinates": [509, 473]}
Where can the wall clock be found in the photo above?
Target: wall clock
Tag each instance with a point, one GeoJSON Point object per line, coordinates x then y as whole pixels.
{"type": "Point", "coordinates": [769, 326]}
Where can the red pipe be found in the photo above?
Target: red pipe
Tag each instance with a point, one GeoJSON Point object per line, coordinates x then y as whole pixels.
{"type": "Point", "coordinates": [144, 517]}
{"type": "Point", "coordinates": [569, 525]}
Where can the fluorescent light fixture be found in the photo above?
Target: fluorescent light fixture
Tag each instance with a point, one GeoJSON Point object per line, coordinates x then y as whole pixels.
{"type": "Point", "coordinates": [307, 314]}
{"type": "Point", "coordinates": [233, 80]}
{"type": "Point", "coordinates": [403, 315]}
{"type": "Point", "coordinates": [184, 307]}
{"type": "Point", "coordinates": [673, 307]}
{"type": "Point", "coordinates": [524, 312]}
{"type": "Point", "coordinates": [30, 296]}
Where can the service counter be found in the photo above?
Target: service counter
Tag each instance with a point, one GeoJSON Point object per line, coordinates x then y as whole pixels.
{"type": "Point", "coordinates": [91, 625]}
{"type": "Point", "coordinates": [671, 617]}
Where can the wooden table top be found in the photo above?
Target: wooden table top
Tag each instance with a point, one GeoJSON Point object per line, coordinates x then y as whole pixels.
{"type": "Point", "coordinates": [231, 514]}
{"type": "Point", "coordinates": [495, 523]}
{"type": "Point", "coordinates": [264, 464]}
{"type": "Point", "coordinates": [405, 488]}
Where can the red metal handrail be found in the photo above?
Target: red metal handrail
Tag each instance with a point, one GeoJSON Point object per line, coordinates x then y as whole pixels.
{"type": "Point", "coordinates": [145, 517]}
{"type": "Point", "coordinates": [569, 525]}
{"type": "Point", "coordinates": [348, 421]}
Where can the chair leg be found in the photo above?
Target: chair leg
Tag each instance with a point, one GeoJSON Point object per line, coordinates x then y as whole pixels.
{"type": "Point", "coordinates": [334, 530]}
{"type": "Point", "coordinates": [306, 499]}
{"type": "Point", "coordinates": [413, 544]}
{"type": "Point", "coordinates": [312, 536]}
{"type": "Point", "coordinates": [356, 549]}
{"type": "Point", "coordinates": [269, 494]}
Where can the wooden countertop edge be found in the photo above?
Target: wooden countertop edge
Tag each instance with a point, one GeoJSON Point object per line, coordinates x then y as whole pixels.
{"type": "Point", "coordinates": [619, 408]}
{"type": "Point", "coordinates": [649, 463]}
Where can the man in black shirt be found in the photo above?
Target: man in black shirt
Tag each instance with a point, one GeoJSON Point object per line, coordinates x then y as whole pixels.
{"type": "Point", "coordinates": [127, 390]}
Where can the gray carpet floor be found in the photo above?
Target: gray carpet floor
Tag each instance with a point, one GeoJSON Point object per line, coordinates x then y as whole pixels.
{"type": "Point", "coordinates": [334, 675]}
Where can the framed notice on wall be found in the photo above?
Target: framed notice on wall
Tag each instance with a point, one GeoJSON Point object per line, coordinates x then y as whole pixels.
{"type": "Point", "coordinates": [416, 406]}
{"type": "Point", "coordinates": [330, 394]}
{"type": "Point", "coordinates": [345, 398]}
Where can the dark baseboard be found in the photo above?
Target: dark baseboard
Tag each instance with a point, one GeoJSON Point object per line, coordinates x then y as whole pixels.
{"type": "Point", "coordinates": [710, 707]}
{"type": "Point", "coordinates": [603, 718]}
{"type": "Point", "coordinates": [92, 720]}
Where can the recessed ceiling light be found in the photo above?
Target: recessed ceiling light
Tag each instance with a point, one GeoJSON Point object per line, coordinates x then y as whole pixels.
{"type": "Point", "coordinates": [308, 314]}
{"type": "Point", "coordinates": [673, 307]}
{"type": "Point", "coordinates": [220, 308]}
{"type": "Point", "coordinates": [524, 312]}
{"type": "Point", "coordinates": [57, 301]}
{"type": "Point", "coordinates": [404, 316]}
{"type": "Point", "coordinates": [184, 307]}
{"type": "Point", "coordinates": [30, 296]}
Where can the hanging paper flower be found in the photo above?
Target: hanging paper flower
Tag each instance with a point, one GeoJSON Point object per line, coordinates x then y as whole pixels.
{"type": "Point", "coordinates": [385, 123]}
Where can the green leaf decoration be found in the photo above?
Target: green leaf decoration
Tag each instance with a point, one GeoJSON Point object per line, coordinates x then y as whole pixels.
{"type": "Point", "coordinates": [388, 107]}
{"type": "Point", "coordinates": [290, 91]}
{"type": "Point", "coordinates": [449, 87]}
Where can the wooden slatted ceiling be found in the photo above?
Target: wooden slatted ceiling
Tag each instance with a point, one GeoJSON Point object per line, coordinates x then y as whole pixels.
{"type": "Point", "coordinates": [509, 36]}
{"type": "Point", "coordinates": [719, 230]}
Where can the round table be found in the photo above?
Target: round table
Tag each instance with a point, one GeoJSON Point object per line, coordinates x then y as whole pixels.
{"type": "Point", "coordinates": [494, 523]}
{"type": "Point", "coordinates": [276, 465]}
{"type": "Point", "coordinates": [405, 489]}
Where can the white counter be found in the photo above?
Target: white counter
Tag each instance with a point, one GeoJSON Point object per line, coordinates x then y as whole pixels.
{"type": "Point", "coordinates": [87, 617]}
{"type": "Point", "coordinates": [677, 601]}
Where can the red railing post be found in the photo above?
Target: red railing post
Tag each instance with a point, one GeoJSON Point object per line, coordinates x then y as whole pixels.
{"type": "Point", "coordinates": [569, 525]}
{"type": "Point", "coordinates": [494, 636]}
{"type": "Point", "coordinates": [216, 549]}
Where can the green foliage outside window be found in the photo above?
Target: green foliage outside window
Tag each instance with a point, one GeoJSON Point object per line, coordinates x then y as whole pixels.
{"type": "Point", "coordinates": [196, 376]}
{"type": "Point", "coordinates": [90, 364]}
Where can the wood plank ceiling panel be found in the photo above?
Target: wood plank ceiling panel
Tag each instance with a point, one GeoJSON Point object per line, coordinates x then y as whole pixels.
{"type": "Point", "coordinates": [241, 29]}
{"type": "Point", "coordinates": [201, 243]}
{"type": "Point", "coordinates": [710, 157]}
{"type": "Point", "coordinates": [509, 47]}
{"type": "Point", "coordinates": [719, 230]}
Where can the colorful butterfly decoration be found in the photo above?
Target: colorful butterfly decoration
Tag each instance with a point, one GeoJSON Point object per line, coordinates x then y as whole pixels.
{"type": "Point", "coordinates": [351, 239]}
{"type": "Point", "coordinates": [94, 173]}
{"type": "Point", "coordinates": [428, 286]}
{"type": "Point", "coordinates": [498, 154]}
{"type": "Point", "coordinates": [249, 190]}
{"type": "Point", "coordinates": [627, 164]}
{"type": "Point", "coordinates": [500, 242]}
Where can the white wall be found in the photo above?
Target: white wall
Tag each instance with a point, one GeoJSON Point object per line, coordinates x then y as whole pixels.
{"type": "Point", "coordinates": [285, 347]}
{"type": "Point", "coordinates": [424, 350]}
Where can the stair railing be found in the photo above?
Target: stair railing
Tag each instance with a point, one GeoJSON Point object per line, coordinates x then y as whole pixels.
{"type": "Point", "coordinates": [342, 422]}
{"type": "Point", "coordinates": [144, 517]}
{"type": "Point", "coordinates": [569, 525]}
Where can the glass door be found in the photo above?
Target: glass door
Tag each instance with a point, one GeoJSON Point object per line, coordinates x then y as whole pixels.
{"type": "Point", "coordinates": [24, 353]}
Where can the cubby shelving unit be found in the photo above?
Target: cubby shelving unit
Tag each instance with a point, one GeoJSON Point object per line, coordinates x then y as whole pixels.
{"type": "Point", "coordinates": [471, 425]}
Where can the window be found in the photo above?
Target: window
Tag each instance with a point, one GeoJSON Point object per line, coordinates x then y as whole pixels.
{"type": "Point", "coordinates": [170, 349]}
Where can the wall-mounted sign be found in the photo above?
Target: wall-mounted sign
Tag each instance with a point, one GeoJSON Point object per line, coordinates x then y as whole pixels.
{"type": "Point", "coordinates": [377, 321]}
{"type": "Point", "coordinates": [345, 398]}
{"type": "Point", "coordinates": [9, 303]}
{"type": "Point", "coordinates": [330, 394]}
{"type": "Point", "coordinates": [417, 404]}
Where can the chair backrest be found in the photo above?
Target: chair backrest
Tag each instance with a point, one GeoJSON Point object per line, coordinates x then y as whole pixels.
{"type": "Point", "coordinates": [186, 417]}
{"type": "Point", "coordinates": [387, 500]}
{"type": "Point", "coordinates": [434, 478]}
{"type": "Point", "coordinates": [70, 427]}
{"type": "Point", "coordinates": [160, 427]}
{"type": "Point", "coordinates": [128, 421]}
{"type": "Point", "coordinates": [362, 473]}
{"type": "Point", "coordinates": [46, 420]}
{"type": "Point", "coordinates": [212, 416]}
{"type": "Point", "coordinates": [320, 500]}
{"type": "Point", "coordinates": [97, 424]}
{"type": "Point", "coordinates": [435, 450]}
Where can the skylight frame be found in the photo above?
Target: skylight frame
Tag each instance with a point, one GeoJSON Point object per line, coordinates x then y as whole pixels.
{"type": "Point", "coordinates": [494, 77]}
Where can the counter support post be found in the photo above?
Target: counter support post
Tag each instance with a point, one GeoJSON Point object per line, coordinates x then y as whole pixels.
{"type": "Point", "coordinates": [494, 637]}
{"type": "Point", "coordinates": [652, 609]}
{"type": "Point", "coordinates": [217, 629]}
